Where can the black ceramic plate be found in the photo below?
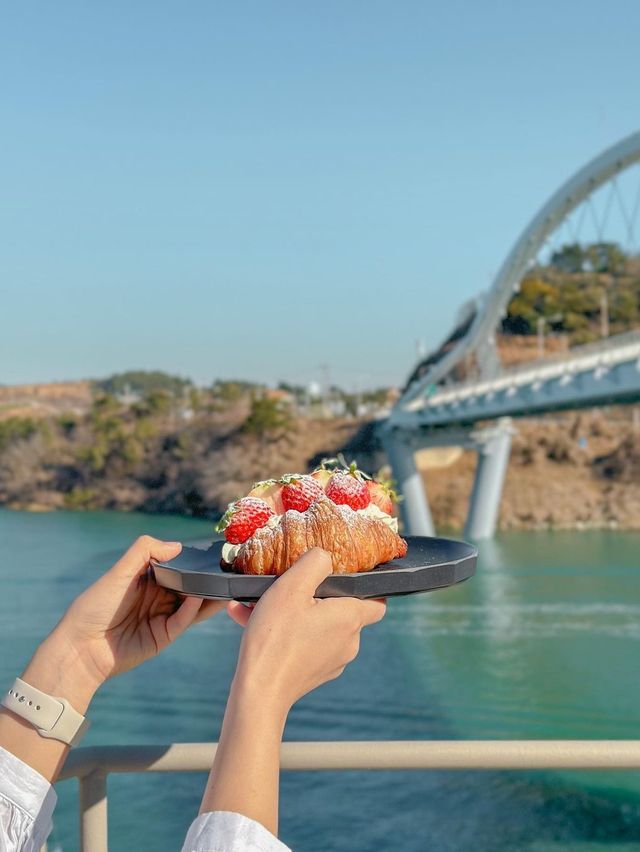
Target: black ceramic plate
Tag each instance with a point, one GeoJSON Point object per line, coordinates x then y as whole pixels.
{"type": "Point", "coordinates": [430, 563]}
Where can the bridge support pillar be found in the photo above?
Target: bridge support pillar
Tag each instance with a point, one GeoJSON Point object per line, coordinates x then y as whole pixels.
{"type": "Point", "coordinates": [414, 508]}
{"type": "Point", "coordinates": [494, 447]}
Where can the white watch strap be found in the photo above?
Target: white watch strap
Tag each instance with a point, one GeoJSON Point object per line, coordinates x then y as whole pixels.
{"type": "Point", "coordinates": [51, 716]}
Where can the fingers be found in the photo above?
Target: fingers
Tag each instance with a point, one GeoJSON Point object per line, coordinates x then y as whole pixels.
{"type": "Point", "coordinates": [208, 609]}
{"type": "Point", "coordinates": [372, 611]}
{"type": "Point", "coordinates": [137, 558]}
{"type": "Point", "coordinates": [308, 572]}
{"type": "Point", "coordinates": [239, 613]}
{"type": "Point", "coordinates": [183, 617]}
{"type": "Point", "coordinates": [195, 611]}
{"type": "Point", "coordinates": [360, 613]}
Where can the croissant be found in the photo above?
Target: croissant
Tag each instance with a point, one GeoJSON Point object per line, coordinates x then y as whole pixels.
{"type": "Point", "coordinates": [356, 541]}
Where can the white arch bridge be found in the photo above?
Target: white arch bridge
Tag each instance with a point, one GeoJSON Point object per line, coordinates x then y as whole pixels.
{"type": "Point", "coordinates": [438, 408]}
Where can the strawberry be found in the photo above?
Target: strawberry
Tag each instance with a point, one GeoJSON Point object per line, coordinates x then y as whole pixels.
{"type": "Point", "coordinates": [271, 492]}
{"type": "Point", "coordinates": [347, 488]}
{"type": "Point", "coordinates": [382, 495]}
{"type": "Point", "coordinates": [299, 492]}
{"type": "Point", "coordinates": [243, 518]}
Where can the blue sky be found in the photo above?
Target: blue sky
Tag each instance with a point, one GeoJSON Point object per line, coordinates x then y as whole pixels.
{"type": "Point", "coordinates": [252, 189]}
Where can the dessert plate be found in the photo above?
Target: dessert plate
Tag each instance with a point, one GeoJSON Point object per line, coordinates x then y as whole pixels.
{"type": "Point", "coordinates": [430, 563]}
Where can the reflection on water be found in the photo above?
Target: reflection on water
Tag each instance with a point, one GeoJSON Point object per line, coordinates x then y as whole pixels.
{"type": "Point", "coordinates": [543, 642]}
{"type": "Point", "coordinates": [504, 623]}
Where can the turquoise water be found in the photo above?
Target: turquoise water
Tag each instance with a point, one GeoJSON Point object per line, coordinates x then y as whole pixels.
{"type": "Point", "coordinates": [543, 642]}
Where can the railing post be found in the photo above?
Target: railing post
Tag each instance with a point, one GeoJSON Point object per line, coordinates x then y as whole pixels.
{"type": "Point", "coordinates": [93, 812]}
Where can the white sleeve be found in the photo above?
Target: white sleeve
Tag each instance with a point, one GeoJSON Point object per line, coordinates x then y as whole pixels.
{"type": "Point", "coordinates": [222, 831]}
{"type": "Point", "coordinates": [27, 801]}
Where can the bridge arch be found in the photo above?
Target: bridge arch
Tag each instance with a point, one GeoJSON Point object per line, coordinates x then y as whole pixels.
{"type": "Point", "coordinates": [479, 338]}
{"type": "Point", "coordinates": [430, 414]}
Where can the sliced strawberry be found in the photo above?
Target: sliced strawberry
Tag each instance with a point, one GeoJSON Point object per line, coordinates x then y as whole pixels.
{"type": "Point", "coordinates": [346, 488]}
{"type": "Point", "coordinates": [299, 492]}
{"type": "Point", "coordinates": [382, 496]}
{"type": "Point", "coordinates": [271, 492]}
{"type": "Point", "coordinates": [243, 518]}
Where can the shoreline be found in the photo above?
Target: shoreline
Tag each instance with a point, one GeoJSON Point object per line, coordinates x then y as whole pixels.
{"type": "Point", "coordinates": [576, 472]}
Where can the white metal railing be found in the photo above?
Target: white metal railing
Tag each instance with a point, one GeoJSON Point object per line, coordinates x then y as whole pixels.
{"type": "Point", "coordinates": [91, 766]}
{"type": "Point", "coordinates": [604, 354]}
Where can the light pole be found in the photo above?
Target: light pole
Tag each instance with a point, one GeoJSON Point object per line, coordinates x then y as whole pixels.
{"type": "Point", "coordinates": [540, 329]}
{"type": "Point", "coordinates": [604, 313]}
{"type": "Point", "coordinates": [540, 324]}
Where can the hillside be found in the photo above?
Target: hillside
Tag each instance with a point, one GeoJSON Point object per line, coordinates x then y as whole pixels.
{"type": "Point", "coordinates": [159, 453]}
{"type": "Point", "coordinates": [194, 453]}
{"type": "Point", "coordinates": [44, 400]}
{"type": "Point", "coordinates": [582, 293]}
{"type": "Point", "coordinates": [571, 472]}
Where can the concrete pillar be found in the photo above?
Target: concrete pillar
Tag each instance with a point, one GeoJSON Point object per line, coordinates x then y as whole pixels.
{"type": "Point", "coordinates": [414, 507]}
{"type": "Point", "coordinates": [494, 446]}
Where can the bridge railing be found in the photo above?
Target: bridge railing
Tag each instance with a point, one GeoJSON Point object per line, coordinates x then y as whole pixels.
{"type": "Point", "coordinates": [93, 765]}
{"type": "Point", "coordinates": [605, 345]}
{"type": "Point", "coordinates": [592, 355]}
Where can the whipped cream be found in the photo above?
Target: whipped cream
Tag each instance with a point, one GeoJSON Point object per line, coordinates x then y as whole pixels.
{"type": "Point", "coordinates": [230, 551]}
{"type": "Point", "coordinates": [373, 511]}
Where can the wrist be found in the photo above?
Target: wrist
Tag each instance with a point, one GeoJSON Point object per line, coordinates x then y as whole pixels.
{"type": "Point", "coordinates": [58, 668]}
{"type": "Point", "coordinates": [258, 701]}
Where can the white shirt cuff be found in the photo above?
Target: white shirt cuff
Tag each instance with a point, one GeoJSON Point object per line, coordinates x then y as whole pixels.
{"type": "Point", "coordinates": [223, 831]}
{"type": "Point", "coordinates": [28, 792]}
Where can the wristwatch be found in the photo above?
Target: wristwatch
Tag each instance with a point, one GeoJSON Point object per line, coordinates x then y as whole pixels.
{"type": "Point", "coordinates": [52, 717]}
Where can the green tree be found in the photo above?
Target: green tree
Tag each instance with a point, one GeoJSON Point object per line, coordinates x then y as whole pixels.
{"type": "Point", "coordinates": [266, 417]}
{"type": "Point", "coordinates": [569, 258]}
{"type": "Point", "coordinates": [144, 382]}
{"type": "Point", "coordinates": [67, 423]}
{"type": "Point", "coordinates": [17, 429]}
{"type": "Point", "coordinates": [624, 308]}
{"type": "Point", "coordinates": [537, 298]}
{"type": "Point", "coordinates": [158, 402]}
{"type": "Point", "coordinates": [605, 258]}
{"type": "Point", "coordinates": [232, 390]}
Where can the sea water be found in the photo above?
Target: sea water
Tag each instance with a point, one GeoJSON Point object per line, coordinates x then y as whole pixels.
{"type": "Point", "coordinates": [543, 642]}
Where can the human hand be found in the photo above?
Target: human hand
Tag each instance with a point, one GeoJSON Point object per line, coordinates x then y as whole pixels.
{"type": "Point", "coordinates": [124, 618]}
{"type": "Point", "coordinates": [294, 642]}
{"type": "Point", "coordinates": [121, 620]}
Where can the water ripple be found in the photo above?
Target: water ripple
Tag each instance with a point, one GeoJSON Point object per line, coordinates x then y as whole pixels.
{"type": "Point", "coordinates": [520, 620]}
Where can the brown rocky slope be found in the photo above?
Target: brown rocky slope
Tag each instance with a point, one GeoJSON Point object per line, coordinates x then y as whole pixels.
{"type": "Point", "coordinates": [571, 471]}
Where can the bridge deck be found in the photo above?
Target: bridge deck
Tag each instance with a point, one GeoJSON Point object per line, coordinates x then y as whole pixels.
{"type": "Point", "coordinates": [600, 374]}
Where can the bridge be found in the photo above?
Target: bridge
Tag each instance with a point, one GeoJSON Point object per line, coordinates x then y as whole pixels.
{"type": "Point", "coordinates": [462, 396]}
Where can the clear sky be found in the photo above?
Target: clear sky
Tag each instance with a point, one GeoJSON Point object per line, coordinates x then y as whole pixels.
{"type": "Point", "coordinates": [252, 189]}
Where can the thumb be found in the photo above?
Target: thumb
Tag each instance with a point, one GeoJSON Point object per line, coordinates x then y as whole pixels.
{"type": "Point", "coordinates": [145, 548]}
{"type": "Point", "coordinates": [306, 574]}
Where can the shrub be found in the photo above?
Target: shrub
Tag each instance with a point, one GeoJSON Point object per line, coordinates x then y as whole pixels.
{"type": "Point", "coordinates": [266, 417]}
{"type": "Point", "coordinates": [17, 429]}
{"type": "Point", "coordinates": [67, 423]}
{"type": "Point", "coordinates": [144, 382]}
{"type": "Point", "coordinates": [80, 498]}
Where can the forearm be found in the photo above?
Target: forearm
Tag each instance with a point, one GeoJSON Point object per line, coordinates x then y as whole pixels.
{"type": "Point", "coordinates": [245, 775]}
{"type": "Point", "coordinates": [56, 669]}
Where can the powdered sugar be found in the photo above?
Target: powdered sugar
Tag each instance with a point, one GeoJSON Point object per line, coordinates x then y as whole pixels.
{"type": "Point", "coordinates": [294, 519]}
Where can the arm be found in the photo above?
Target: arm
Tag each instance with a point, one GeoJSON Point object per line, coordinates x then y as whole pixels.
{"type": "Point", "coordinates": [246, 771]}
{"type": "Point", "coordinates": [116, 624]}
{"type": "Point", "coordinates": [292, 644]}
{"type": "Point", "coordinates": [55, 669]}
